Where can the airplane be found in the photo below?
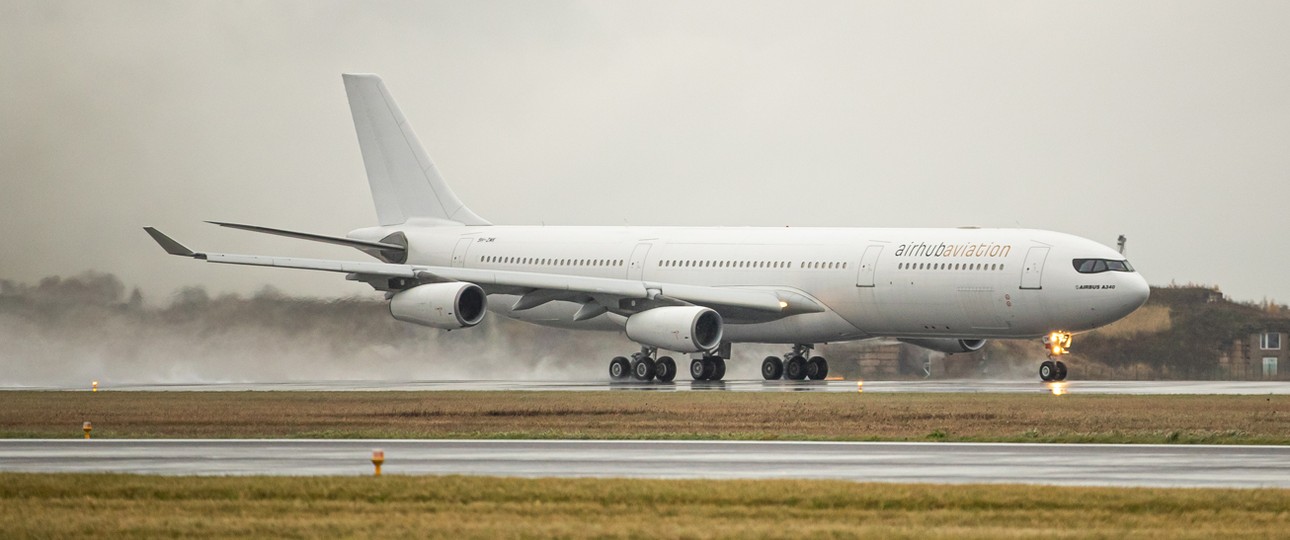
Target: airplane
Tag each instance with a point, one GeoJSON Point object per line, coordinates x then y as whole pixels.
{"type": "Point", "coordinates": [698, 290]}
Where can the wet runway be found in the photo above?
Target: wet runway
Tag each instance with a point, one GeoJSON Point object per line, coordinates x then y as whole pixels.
{"type": "Point", "coordinates": [1058, 464]}
{"type": "Point", "coordinates": [916, 386]}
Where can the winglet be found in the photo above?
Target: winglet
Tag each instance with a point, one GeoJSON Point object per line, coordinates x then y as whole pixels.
{"type": "Point", "coordinates": [169, 244]}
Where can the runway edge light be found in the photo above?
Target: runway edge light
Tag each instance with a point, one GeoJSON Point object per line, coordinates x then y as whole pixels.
{"type": "Point", "coordinates": [860, 387]}
{"type": "Point", "coordinates": [94, 386]}
{"type": "Point", "coordinates": [378, 458]}
{"type": "Point", "coordinates": [87, 427]}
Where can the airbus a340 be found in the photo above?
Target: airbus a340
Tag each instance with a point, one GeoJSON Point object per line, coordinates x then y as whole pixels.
{"type": "Point", "coordinates": [697, 290]}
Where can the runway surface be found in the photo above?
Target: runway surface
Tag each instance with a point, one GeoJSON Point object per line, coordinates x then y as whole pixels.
{"type": "Point", "coordinates": [1059, 464]}
{"type": "Point", "coordinates": [923, 386]}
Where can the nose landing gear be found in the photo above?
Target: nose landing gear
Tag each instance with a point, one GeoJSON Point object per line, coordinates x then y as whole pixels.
{"type": "Point", "coordinates": [1058, 345]}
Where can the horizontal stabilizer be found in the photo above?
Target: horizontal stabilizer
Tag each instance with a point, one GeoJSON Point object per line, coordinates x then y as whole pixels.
{"type": "Point", "coordinates": [341, 241]}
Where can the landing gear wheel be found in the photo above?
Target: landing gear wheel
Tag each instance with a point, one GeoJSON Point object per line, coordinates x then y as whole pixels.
{"type": "Point", "coordinates": [701, 370]}
{"type": "Point", "coordinates": [718, 367]}
{"type": "Point", "coordinates": [1047, 371]}
{"type": "Point", "coordinates": [772, 368]}
{"type": "Point", "coordinates": [1061, 371]}
{"type": "Point", "coordinates": [817, 368]}
{"type": "Point", "coordinates": [619, 368]}
{"type": "Point", "coordinates": [665, 369]}
{"type": "Point", "coordinates": [644, 370]}
{"type": "Point", "coordinates": [795, 369]}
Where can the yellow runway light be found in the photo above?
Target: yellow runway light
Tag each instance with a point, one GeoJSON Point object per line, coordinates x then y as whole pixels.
{"type": "Point", "coordinates": [378, 458]}
{"type": "Point", "coordinates": [87, 427]}
{"type": "Point", "coordinates": [94, 386]}
{"type": "Point", "coordinates": [860, 387]}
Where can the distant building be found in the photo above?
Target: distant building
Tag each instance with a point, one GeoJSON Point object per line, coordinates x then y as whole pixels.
{"type": "Point", "coordinates": [1260, 355]}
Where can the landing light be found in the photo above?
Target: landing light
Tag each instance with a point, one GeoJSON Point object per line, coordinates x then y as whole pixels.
{"type": "Point", "coordinates": [783, 304]}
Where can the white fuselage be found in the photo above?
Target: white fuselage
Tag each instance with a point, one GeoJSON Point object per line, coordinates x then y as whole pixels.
{"type": "Point", "coordinates": [908, 283]}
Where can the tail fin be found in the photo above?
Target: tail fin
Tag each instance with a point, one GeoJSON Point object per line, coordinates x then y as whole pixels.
{"type": "Point", "coordinates": [405, 183]}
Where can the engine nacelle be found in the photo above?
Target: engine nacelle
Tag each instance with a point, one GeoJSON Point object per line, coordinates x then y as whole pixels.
{"type": "Point", "coordinates": [677, 328]}
{"type": "Point", "coordinates": [948, 345]}
{"type": "Point", "coordinates": [449, 305]}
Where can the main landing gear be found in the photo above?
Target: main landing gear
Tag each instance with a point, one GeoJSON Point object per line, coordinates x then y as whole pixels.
{"type": "Point", "coordinates": [708, 368]}
{"type": "Point", "coordinates": [644, 367]}
{"type": "Point", "coordinates": [1058, 345]}
{"type": "Point", "coordinates": [795, 366]}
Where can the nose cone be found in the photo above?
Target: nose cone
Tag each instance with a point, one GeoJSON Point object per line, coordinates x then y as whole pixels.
{"type": "Point", "coordinates": [1141, 291]}
{"type": "Point", "coordinates": [1134, 294]}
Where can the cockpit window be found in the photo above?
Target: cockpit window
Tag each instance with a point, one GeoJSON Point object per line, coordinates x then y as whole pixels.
{"type": "Point", "coordinates": [1095, 266]}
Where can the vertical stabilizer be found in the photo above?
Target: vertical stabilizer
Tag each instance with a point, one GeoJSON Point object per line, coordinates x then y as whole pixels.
{"type": "Point", "coordinates": [405, 183]}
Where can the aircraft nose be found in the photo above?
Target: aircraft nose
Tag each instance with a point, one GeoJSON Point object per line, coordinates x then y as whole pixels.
{"type": "Point", "coordinates": [1136, 292]}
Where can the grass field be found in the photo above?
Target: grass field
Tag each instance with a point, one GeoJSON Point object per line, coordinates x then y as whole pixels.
{"type": "Point", "coordinates": [123, 506]}
{"type": "Point", "coordinates": [650, 415]}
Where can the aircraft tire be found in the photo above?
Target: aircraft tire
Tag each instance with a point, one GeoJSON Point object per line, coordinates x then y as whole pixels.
{"type": "Point", "coordinates": [772, 368]}
{"type": "Point", "coordinates": [1047, 371]}
{"type": "Point", "coordinates": [643, 370]}
{"type": "Point", "coordinates": [817, 368]}
{"type": "Point", "coordinates": [619, 368]}
{"type": "Point", "coordinates": [1061, 371]}
{"type": "Point", "coordinates": [718, 367]}
{"type": "Point", "coordinates": [665, 369]}
{"type": "Point", "coordinates": [795, 368]}
{"type": "Point", "coordinates": [701, 370]}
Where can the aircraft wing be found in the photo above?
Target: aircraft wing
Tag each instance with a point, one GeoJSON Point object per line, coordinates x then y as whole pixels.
{"type": "Point", "coordinates": [741, 303]}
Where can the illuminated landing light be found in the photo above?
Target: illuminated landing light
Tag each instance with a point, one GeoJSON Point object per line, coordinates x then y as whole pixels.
{"type": "Point", "coordinates": [1058, 343]}
{"type": "Point", "coordinates": [1058, 388]}
{"type": "Point", "coordinates": [783, 304]}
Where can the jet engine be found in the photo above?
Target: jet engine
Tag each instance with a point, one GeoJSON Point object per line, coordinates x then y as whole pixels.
{"type": "Point", "coordinates": [948, 345]}
{"type": "Point", "coordinates": [677, 328]}
{"type": "Point", "coordinates": [448, 306]}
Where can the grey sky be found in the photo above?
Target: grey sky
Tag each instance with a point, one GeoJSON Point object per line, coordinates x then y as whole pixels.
{"type": "Point", "coordinates": [1165, 121]}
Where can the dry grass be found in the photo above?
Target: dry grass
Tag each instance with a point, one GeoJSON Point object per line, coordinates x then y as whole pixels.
{"type": "Point", "coordinates": [628, 415]}
{"type": "Point", "coordinates": [123, 506]}
{"type": "Point", "coordinates": [1149, 319]}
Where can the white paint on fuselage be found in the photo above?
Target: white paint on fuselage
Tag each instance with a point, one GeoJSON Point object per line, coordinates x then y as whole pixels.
{"type": "Point", "coordinates": [951, 292]}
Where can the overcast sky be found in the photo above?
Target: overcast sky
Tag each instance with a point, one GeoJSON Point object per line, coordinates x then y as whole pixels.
{"type": "Point", "coordinates": [1168, 122]}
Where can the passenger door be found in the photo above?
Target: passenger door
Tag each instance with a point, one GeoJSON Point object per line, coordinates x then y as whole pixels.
{"type": "Point", "coordinates": [636, 265]}
{"type": "Point", "coordinates": [1032, 272]}
{"type": "Point", "coordinates": [459, 252]}
{"type": "Point", "coordinates": [868, 266]}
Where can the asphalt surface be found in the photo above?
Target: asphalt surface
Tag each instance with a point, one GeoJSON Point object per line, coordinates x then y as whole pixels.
{"type": "Point", "coordinates": [1057, 464]}
{"type": "Point", "coordinates": [925, 386]}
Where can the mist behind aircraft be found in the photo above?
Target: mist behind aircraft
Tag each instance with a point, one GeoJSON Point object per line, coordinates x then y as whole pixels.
{"type": "Point", "coordinates": [1164, 122]}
